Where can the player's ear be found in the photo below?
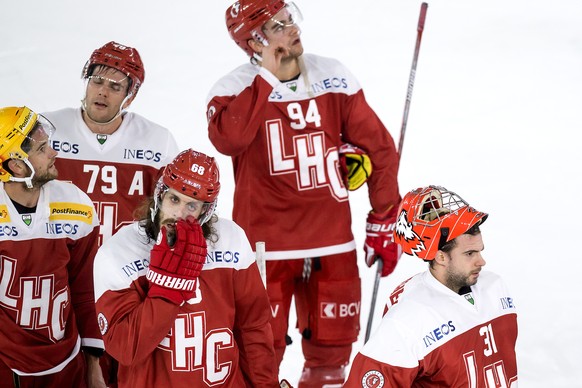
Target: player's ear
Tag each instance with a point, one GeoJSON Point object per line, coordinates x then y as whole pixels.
{"type": "Point", "coordinates": [255, 45]}
{"type": "Point", "coordinates": [440, 257]}
{"type": "Point", "coordinates": [17, 167]}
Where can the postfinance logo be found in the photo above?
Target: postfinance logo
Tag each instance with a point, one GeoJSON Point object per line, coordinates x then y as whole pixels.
{"type": "Point", "coordinates": [71, 212]}
{"type": "Point", "coordinates": [4, 216]}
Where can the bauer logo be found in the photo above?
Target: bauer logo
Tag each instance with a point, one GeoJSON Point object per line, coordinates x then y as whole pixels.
{"type": "Point", "coordinates": [142, 155]}
{"type": "Point", "coordinates": [71, 212]}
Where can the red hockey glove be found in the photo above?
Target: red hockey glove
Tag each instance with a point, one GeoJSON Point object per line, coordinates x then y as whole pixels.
{"type": "Point", "coordinates": [379, 244]}
{"type": "Point", "coordinates": [174, 270]}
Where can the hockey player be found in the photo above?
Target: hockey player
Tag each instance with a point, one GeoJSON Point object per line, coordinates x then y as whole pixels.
{"type": "Point", "coordinates": [48, 239]}
{"type": "Point", "coordinates": [180, 301]}
{"type": "Point", "coordinates": [283, 118]}
{"type": "Point", "coordinates": [454, 325]}
{"type": "Point", "coordinates": [111, 154]}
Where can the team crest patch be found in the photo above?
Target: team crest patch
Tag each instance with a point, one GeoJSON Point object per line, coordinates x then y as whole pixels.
{"type": "Point", "coordinates": [4, 217]}
{"type": "Point", "coordinates": [27, 219]}
{"type": "Point", "coordinates": [292, 86]}
{"type": "Point", "coordinates": [101, 138]}
{"type": "Point", "coordinates": [71, 212]}
{"type": "Point", "coordinates": [373, 379]}
{"type": "Point", "coordinates": [103, 324]}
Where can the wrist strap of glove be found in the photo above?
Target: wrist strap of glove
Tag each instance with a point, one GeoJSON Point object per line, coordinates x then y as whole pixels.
{"type": "Point", "coordinates": [170, 281]}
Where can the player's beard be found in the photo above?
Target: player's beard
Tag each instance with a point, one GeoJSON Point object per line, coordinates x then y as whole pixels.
{"type": "Point", "coordinates": [40, 180]}
{"type": "Point", "coordinates": [42, 177]}
{"type": "Point", "coordinates": [455, 280]}
{"type": "Point", "coordinates": [169, 223]}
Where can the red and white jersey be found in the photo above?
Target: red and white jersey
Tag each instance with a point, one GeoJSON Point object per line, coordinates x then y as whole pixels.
{"type": "Point", "coordinates": [433, 337]}
{"type": "Point", "coordinates": [221, 337]}
{"type": "Point", "coordinates": [47, 305]}
{"type": "Point", "coordinates": [283, 138]}
{"type": "Point", "coordinates": [117, 171]}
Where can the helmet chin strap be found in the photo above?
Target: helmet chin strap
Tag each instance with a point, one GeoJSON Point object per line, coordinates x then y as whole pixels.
{"type": "Point", "coordinates": [27, 180]}
{"type": "Point", "coordinates": [121, 111]}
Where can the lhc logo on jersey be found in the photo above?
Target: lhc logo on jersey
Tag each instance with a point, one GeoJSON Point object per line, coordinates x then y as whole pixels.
{"type": "Point", "coordinates": [193, 346]}
{"type": "Point", "coordinates": [313, 165]}
{"type": "Point", "coordinates": [373, 379]}
{"type": "Point", "coordinates": [404, 229]}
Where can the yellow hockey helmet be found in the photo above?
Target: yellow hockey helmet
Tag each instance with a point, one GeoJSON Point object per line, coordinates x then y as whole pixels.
{"type": "Point", "coordinates": [16, 124]}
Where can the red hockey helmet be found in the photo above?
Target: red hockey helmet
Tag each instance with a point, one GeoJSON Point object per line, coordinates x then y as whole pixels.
{"type": "Point", "coordinates": [429, 217]}
{"type": "Point", "coordinates": [245, 18]}
{"type": "Point", "coordinates": [122, 58]}
{"type": "Point", "coordinates": [193, 174]}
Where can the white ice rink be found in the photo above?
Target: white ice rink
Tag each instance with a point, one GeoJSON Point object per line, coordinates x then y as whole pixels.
{"type": "Point", "coordinates": [495, 117]}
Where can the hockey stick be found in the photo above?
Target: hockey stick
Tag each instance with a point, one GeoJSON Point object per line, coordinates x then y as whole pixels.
{"type": "Point", "coordinates": [260, 255]}
{"type": "Point", "coordinates": [419, 29]}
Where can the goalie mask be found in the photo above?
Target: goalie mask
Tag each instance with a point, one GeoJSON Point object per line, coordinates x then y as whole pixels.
{"type": "Point", "coordinates": [193, 174]}
{"type": "Point", "coordinates": [431, 216]}
{"type": "Point", "coordinates": [245, 19]}
{"type": "Point", "coordinates": [17, 124]}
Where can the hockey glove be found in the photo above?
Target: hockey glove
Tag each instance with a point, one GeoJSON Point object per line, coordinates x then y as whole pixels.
{"type": "Point", "coordinates": [174, 268]}
{"type": "Point", "coordinates": [379, 243]}
{"type": "Point", "coordinates": [355, 165]}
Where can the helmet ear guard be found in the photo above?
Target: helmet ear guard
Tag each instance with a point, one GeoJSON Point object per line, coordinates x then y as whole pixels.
{"type": "Point", "coordinates": [431, 216]}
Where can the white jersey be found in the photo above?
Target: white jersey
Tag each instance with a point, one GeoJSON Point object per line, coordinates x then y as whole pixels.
{"type": "Point", "coordinates": [117, 171]}
{"type": "Point", "coordinates": [434, 337]}
{"type": "Point", "coordinates": [220, 337]}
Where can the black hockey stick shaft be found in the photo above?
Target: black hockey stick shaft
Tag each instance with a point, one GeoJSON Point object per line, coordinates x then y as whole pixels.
{"type": "Point", "coordinates": [420, 29]}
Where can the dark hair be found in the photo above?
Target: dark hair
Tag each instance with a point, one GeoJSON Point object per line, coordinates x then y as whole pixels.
{"type": "Point", "coordinates": [144, 214]}
{"type": "Point", "coordinates": [448, 246]}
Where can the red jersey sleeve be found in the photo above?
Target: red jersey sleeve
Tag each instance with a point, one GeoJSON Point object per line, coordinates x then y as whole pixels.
{"type": "Point", "coordinates": [235, 120]}
{"type": "Point", "coordinates": [132, 333]}
{"type": "Point", "coordinates": [80, 270]}
{"type": "Point", "coordinates": [367, 372]}
{"type": "Point", "coordinates": [253, 330]}
{"type": "Point", "coordinates": [364, 129]}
